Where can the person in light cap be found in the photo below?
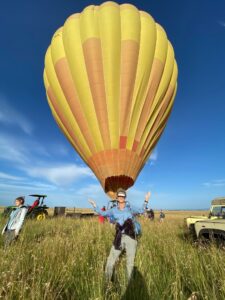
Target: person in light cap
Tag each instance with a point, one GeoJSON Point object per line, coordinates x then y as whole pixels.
{"type": "Point", "coordinates": [126, 233]}
{"type": "Point", "coordinates": [121, 193]}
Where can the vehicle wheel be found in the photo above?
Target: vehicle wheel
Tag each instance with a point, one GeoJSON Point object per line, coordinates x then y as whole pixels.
{"type": "Point", "coordinates": [204, 236]}
{"type": "Point", "coordinates": [192, 229]}
{"type": "Point", "coordinates": [41, 217]}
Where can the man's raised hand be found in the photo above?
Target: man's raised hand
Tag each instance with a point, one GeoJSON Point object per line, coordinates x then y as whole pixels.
{"type": "Point", "coordinates": [147, 196]}
{"type": "Point", "coordinates": [92, 202]}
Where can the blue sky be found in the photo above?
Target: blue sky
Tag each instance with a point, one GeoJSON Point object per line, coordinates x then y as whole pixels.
{"type": "Point", "coordinates": [187, 168]}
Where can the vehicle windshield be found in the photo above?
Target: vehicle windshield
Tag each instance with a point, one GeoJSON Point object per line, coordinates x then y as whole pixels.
{"type": "Point", "coordinates": [218, 211]}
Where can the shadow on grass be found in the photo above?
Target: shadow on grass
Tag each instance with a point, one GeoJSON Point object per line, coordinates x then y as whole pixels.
{"type": "Point", "coordinates": [186, 235]}
{"type": "Point", "coordinates": [137, 288]}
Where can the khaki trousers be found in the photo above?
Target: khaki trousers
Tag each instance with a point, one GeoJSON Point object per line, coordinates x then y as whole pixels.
{"type": "Point", "coordinates": [128, 244]}
{"type": "Point", "coordinates": [9, 238]}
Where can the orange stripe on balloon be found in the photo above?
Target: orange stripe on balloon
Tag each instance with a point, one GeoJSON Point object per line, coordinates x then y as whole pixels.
{"type": "Point", "coordinates": [94, 66]}
{"type": "Point", "coordinates": [68, 87]}
{"type": "Point", "coordinates": [155, 77]}
{"type": "Point", "coordinates": [129, 61]}
{"type": "Point", "coordinates": [166, 102]}
{"type": "Point", "coordinates": [64, 121]}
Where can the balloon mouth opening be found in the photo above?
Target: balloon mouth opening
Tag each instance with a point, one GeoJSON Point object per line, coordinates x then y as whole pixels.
{"type": "Point", "coordinates": [113, 183]}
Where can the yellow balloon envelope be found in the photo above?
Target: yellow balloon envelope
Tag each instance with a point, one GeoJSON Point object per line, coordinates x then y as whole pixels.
{"type": "Point", "coordinates": [111, 78]}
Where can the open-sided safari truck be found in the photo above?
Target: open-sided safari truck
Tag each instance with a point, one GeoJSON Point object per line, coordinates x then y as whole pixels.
{"type": "Point", "coordinates": [211, 230]}
{"type": "Point", "coordinates": [217, 211]}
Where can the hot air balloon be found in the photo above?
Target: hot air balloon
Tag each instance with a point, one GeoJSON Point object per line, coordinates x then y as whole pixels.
{"type": "Point", "coordinates": [111, 78]}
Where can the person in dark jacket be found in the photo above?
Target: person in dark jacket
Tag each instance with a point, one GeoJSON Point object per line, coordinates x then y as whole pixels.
{"type": "Point", "coordinates": [151, 214]}
{"type": "Point", "coordinates": [125, 237]}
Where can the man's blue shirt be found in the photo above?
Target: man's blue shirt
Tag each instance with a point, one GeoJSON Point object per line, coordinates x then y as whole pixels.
{"type": "Point", "coordinates": [121, 215]}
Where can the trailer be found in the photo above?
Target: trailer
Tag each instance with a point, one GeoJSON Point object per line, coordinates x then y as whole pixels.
{"type": "Point", "coordinates": [77, 213]}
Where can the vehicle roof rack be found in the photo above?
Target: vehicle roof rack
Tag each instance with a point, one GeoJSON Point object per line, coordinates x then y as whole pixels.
{"type": "Point", "coordinates": [218, 201]}
{"type": "Point", "coordinates": [36, 195]}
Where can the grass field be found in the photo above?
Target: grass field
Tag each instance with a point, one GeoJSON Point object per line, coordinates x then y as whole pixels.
{"type": "Point", "coordinates": [63, 258]}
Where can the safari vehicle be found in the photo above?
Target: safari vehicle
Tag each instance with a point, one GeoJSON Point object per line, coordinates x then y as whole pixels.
{"type": "Point", "coordinates": [211, 230]}
{"type": "Point", "coordinates": [38, 210]}
{"type": "Point", "coordinates": [217, 211]}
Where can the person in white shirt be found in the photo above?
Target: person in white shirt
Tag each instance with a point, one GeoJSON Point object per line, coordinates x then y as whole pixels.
{"type": "Point", "coordinates": [15, 222]}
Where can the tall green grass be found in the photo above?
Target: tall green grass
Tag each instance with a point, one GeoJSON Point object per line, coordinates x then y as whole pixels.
{"type": "Point", "coordinates": [64, 259]}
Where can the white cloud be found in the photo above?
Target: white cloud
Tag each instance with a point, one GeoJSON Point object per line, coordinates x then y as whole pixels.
{"type": "Point", "coordinates": [31, 187]}
{"type": "Point", "coordinates": [215, 183]}
{"type": "Point", "coordinates": [91, 190]}
{"type": "Point", "coordinates": [158, 199]}
{"type": "Point", "coordinates": [28, 156]}
{"type": "Point", "coordinates": [10, 177]}
{"type": "Point", "coordinates": [11, 190]}
{"type": "Point", "coordinates": [12, 150]}
{"type": "Point", "coordinates": [153, 157]}
{"type": "Point", "coordinates": [20, 150]}
{"type": "Point", "coordinates": [41, 171]}
{"type": "Point", "coordinates": [63, 175]}
{"type": "Point", "coordinates": [59, 149]}
{"type": "Point", "coordinates": [9, 116]}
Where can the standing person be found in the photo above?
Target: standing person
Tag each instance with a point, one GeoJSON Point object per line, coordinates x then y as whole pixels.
{"type": "Point", "coordinates": [15, 222]}
{"type": "Point", "coordinates": [151, 214]}
{"type": "Point", "coordinates": [125, 237]}
{"type": "Point", "coordinates": [161, 216]}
